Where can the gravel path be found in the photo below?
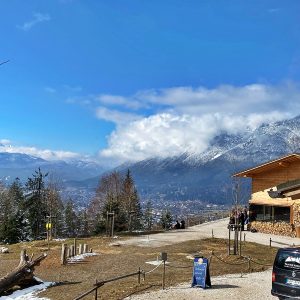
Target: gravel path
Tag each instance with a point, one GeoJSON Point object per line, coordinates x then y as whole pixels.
{"type": "Point", "coordinates": [251, 286]}
{"type": "Point", "coordinates": [217, 228]}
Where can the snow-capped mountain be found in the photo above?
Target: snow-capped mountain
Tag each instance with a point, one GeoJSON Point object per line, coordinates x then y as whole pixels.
{"type": "Point", "coordinates": [20, 165]}
{"type": "Point", "coordinates": [207, 176]}
{"type": "Point", "coordinates": [189, 176]}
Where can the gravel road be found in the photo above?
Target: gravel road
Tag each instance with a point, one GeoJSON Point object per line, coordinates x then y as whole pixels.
{"type": "Point", "coordinates": [250, 286]}
{"type": "Point", "coordinates": [217, 228]}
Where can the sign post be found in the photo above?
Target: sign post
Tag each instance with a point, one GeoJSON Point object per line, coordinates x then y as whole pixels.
{"type": "Point", "coordinates": [164, 257]}
{"type": "Point", "coordinates": [201, 276]}
{"type": "Point", "coordinates": [48, 228]}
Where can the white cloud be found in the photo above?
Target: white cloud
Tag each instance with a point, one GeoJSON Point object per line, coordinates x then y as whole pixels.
{"type": "Point", "coordinates": [4, 142]}
{"type": "Point", "coordinates": [112, 100]}
{"type": "Point", "coordinates": [6, 146]}
{"type": "Point", "coordinates": [164, 135]}
{"type": "Point", "coordinates": [188, 118]}
{"type": "Point", "coordinates": [37, 18]}
{"type": "Point", "coordinates": [115, 116]}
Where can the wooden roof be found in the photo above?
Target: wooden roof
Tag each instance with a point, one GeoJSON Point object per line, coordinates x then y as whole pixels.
{"type": "Point", "coordinates": [272, 202]}
{"type": "Point", "coordinates": [284, 161]}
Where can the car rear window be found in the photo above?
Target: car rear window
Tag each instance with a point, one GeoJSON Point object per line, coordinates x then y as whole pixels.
{"type": "Point", "coordinates": [288, 260]}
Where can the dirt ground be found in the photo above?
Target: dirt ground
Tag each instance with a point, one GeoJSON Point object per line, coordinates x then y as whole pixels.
{"type": "Point", "coordinates": [119, 259]}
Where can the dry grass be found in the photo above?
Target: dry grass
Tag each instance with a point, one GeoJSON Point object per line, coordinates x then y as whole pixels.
{"type": "Point", "coordinates": [74, 279]}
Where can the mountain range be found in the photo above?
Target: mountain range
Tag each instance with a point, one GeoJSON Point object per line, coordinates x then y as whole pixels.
{"type": "Point", "coordinates": [206, 177]}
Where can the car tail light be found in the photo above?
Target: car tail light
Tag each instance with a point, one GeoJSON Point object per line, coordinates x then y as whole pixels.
{"type": "Point", "coordinates": [273, 276]}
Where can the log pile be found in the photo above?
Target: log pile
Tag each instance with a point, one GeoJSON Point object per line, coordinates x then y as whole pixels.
{"type": "Point", "coordinates": [296, 210]}
{"type": "Point", "coordinates": [279, 228]}
{"type": "Point", "coordinates": [22, 275]}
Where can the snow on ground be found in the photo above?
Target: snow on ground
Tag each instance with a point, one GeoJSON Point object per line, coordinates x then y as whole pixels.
{"type": "Point", "coordinates": [29, 293]}
{"type": "Point", "coordinates": [80, 257]}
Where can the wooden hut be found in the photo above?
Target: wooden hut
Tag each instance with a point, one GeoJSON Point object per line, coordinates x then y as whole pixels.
{"type": "Point", "coordinates": [274, 206]}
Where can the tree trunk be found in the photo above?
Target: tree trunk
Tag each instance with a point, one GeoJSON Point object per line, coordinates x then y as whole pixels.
{"type": "Point", "coordinates": [21, 275]}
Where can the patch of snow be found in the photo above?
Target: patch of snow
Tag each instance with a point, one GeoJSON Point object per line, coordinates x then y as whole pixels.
{"type": "Point", "coordinates": [4, 250]}
{"type": "Point", "coordinates": [59, 240]}
{"type": "Point", "coordinates": [29, 293]}
{"type": "Point", "coordinates": [80, 257]}
{"type": "Point", "coordinates": [155, 262]}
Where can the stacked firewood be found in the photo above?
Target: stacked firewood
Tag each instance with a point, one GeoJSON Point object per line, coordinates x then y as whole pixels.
{"type": "Point", "coordinates": [296, 210]}
{"type": "Point", "coordinates": [279, 228]}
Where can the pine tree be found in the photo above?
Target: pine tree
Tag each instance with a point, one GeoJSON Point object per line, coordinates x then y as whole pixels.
{"type": "Point", "coordinates": [166, 220]}
{"type": "Point", "coordinates": [54, 208]}
{"type": "Point", "coordinates": [35, 203]}
{"type": "Point", "coordinates": [148, 215]}
{"type": "Point", "coordinates": [12, 221]}
{"type": "Point", "coordinates": [83, 223]}
{"type": "Point", "coordinates": [131, 203]}
{"type": "Point", "coordinates": [71, 221]}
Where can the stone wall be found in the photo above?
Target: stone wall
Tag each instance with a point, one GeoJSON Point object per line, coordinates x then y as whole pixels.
{"type": "Point", "coordinates": [279, 228]}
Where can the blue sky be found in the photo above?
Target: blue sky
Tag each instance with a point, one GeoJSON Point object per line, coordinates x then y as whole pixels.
{"type": "Point", "coordinates": [119, 80]}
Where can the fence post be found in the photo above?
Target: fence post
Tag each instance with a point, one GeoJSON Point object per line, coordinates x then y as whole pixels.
{"type": "Point", "coordinates": [96, 291]}
{"type": "Point", "coordinates": [241, 241]}
{"type": "Point", "coordinates": [75, 247]}
{"type": "Point", "coordinates": [249, 263]}
{"type": "Point", "coordinates": [63, 254]}
{"type": "Point", "coordinates": [244, 237]}
{"type": "Point", "coordinates": [212, 233]}
{"type": "Point", "coordinates": [229, 228]}
{"type": "Point", "coordinates": [139, 276]}
{"type": "Point", "coordinates": [80, 249]}
{"type": "Point", "coordinates": [85, 248]}
{"type": "Point", "coordinates": [164, 275]}
{"type": "Point", "coordinates": [71, 250]}
{"type": "Point", "coordinates": [270, 242]}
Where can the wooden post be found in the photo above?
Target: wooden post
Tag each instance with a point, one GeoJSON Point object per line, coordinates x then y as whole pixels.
{"type": "Point", "coordinates": [164, 275]}
{"type": "Point", "coordinates": [241, 241]}
{"type": "Point", "coordinates": [244, 236]}
{"type": "Point", "coordinates": [85, 248]}
{"type": "Point", "coordinates": [270, 242]}
{"type": "Point", "coordinates": [236, 237]}
{"type": "Point", "coordinates": [80, 248]}
{"type": "Point", "coordinates": [96, 291]}
{"type": "Point", "coordinates": [63, 254]}
{"type": "Point", "coordinates": [212, 233]}
{"type": "Point", "coordinates": [139, 276]}
{"type": "Point", "coordinates": [71, 250]}
{"type": "Point", "coordinates": [75, 246]}
{"type": "Point", "coordinates": [113, 224]}
{"type": "Point", "coordinates": [229, 227]}
{"type": "Point", "coordinates": [107, 227]}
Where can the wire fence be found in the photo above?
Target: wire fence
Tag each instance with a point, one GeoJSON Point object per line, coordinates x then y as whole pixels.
{"type": "Point", "coordinates": [245, 260]}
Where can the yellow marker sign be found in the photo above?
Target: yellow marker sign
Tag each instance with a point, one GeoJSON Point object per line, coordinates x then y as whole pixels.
{"type": "Point", "coordinates": [48, 226]}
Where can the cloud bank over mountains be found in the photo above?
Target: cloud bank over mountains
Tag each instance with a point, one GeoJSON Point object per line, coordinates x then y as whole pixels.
{"type": "Point", "coordinates": [181, 119]}
{"type": "Point", "coordinates": [7, 146]}
{"type": "Point", "coordinates": [168, 122]}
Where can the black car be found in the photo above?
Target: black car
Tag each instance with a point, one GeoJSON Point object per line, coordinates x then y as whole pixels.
{"type": "Point", "coordinates": [286, 274]}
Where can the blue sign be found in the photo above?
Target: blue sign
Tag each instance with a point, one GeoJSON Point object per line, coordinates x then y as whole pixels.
{"type": "Point", "coordinates": [201, 276]}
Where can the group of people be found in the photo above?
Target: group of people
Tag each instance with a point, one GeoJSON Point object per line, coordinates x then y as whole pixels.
{"type": "Point", "coordinates": [180, 225]}
{"type": "Point", "coordinates": [239, 217]}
